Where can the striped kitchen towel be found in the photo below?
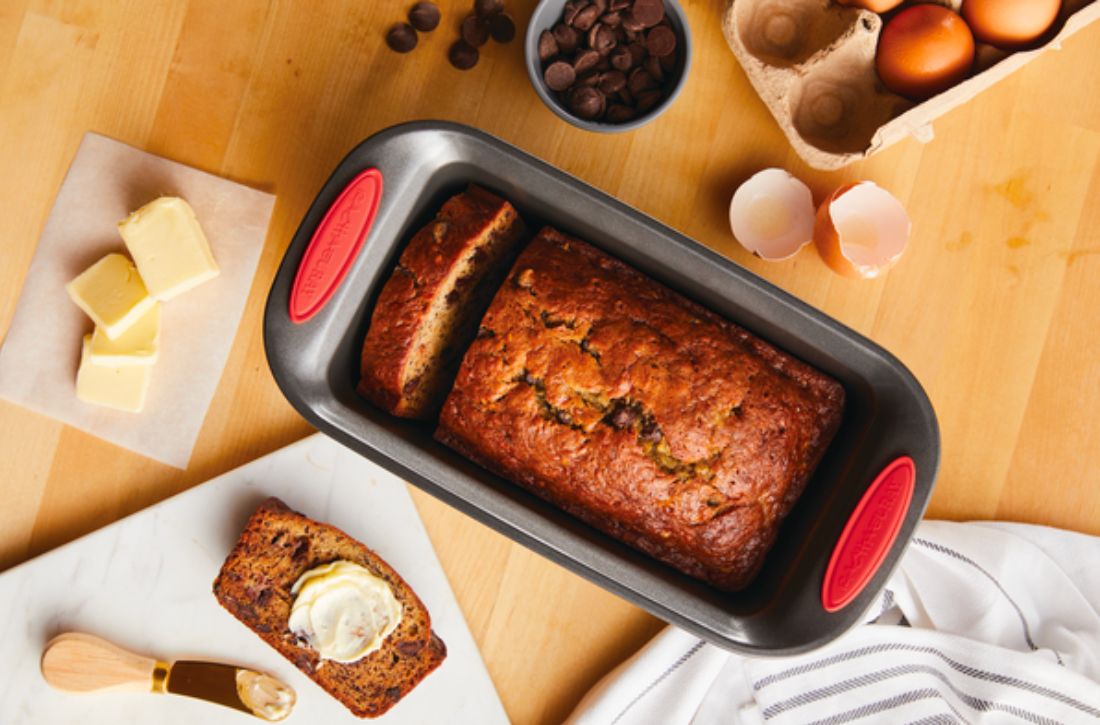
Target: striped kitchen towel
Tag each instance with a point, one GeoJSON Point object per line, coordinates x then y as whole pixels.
{"type": "Point", "coordinates": [983, 622]}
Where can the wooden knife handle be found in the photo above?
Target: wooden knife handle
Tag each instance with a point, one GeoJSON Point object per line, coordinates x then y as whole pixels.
{"type": "Point", "coordinates": [78, 662]}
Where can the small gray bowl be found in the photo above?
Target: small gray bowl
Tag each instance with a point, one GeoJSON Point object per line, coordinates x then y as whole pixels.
{"type": "Point", "coordinates": [548, 13]}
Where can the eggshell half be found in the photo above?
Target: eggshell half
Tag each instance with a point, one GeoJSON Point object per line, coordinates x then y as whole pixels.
{"type": "Point", "coordinates": [772, 215]}
{"type": "Point", "coordinates": [861, 230]}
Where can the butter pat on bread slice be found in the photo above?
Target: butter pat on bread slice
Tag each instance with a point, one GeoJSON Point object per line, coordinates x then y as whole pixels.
{"type": "Point", "coordinates": [168, 246]}
{"type": "Point", "coordinates": [139, 345]}
{"type": "Point", "coordinates": [112, 293]}
{"type": "Point", "coordinates": [122, 387]}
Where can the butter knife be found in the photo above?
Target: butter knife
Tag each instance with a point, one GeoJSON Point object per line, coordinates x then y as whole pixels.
{"type": "Point", "coordinates": [78, 662]}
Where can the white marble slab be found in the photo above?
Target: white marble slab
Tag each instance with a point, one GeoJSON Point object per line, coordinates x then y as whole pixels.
{"type": "Point", "coordinates": [145, 583]}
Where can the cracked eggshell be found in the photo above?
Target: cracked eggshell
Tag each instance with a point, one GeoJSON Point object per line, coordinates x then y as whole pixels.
{"type": "Point", "coordinates": [861, 230]}
{"type": "Point", "coordinates": [772, 215]}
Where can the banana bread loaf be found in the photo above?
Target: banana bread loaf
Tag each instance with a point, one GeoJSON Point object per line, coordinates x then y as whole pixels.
{"type": "Point", "coordinates": [428, 310]}
{"type": "Point", "coordinates": [638, 411]}
{"type": "Point", "coordinates": [276, 547]}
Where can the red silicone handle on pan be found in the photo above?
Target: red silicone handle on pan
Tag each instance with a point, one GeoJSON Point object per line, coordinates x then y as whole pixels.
{"type": "Point", "coordinates": [334, 245]}
{"type": "Point", "coordinates": [869, 534]}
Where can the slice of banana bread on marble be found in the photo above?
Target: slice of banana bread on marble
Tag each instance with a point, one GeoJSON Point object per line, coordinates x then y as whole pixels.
{"type": "Point", "coordinates": [428, 310]}
{"type": "Point", "coordinates": [276, 547]}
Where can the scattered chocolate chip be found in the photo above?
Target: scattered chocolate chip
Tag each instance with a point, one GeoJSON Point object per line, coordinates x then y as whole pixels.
{"type": "Point", "coordinates": [401, 38]}
{"type": "Point", "coordinates": [586, 18]}
{"type": "Point", "coordinates": [424, 17]}
{"type": "Point", "coordinates": [474, 31]}
{"type": "Point", "coordinates": [559, 76]}
{"type": "Point", "coordinates": [587, 102]}
{"type": "Point", "coordinates": [567, 38]}
{"type": "Point", "coordinates": [648, 12]}
{"type": "Point", "coordinates": [502, 28]}
{"type": "Point", "coordinates": [660, 41]}
{"type": "Point", "coordinates": [462, 55]}
{"type": "Point", "coordinates": [585, 61]}
{"type": "Point", "coordinates": [548, 46]}
{"type": "Point", "coordinates": [409, 648]}
{"type": "Point", "coordinates": [486, 8]}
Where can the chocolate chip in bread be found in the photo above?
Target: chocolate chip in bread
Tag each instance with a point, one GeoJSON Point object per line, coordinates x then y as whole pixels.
{"type": "Point", "coordinates": [276, 547]}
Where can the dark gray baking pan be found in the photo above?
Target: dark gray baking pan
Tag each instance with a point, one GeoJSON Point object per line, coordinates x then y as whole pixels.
{"type": "Point", "coordinates": [841, 541]}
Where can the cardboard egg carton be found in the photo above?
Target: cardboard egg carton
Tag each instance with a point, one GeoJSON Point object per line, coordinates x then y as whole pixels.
{"type": "Point", "coordinates": [813, 64]}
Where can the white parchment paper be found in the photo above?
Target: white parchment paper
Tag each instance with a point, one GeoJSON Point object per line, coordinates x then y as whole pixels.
{"type": "Point", "coordinates": [41, 351]}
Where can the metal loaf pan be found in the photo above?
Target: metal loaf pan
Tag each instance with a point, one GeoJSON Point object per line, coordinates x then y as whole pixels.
{"type": "Point", "coordinates": [315, 360]}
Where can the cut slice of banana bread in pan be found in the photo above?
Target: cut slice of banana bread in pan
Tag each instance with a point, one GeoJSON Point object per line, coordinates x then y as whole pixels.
{"type": "Point", "coordinates": [428, 310]}
{"type": "Point", "coordinates": [277, 546]}
{"type": "Point", "coordinates": [640, 412]}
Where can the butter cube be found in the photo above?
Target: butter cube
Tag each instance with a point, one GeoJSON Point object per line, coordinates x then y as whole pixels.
{"type": "Point", "coordinates": [122, 387]}
{"type": "Point", "coordinates": [137, 346]}
{"type": "Point", "coordinates": [112, 294]}
{"type": "Point", "coordinates": [168, 246]}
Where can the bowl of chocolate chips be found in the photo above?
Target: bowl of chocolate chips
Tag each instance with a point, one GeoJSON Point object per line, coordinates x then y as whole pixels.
{"type": "Point", "coordinates": [608, 65]}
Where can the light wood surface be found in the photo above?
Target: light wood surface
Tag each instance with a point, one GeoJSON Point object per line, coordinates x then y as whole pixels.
{"type": "Point", "coordinates": [995, 307]}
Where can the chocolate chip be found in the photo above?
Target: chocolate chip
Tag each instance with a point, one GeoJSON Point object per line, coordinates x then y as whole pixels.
{"type": "Point", "coordinates": [486, 8]}
{"type": "Point", "coordinates": [592, 78]}
{"type": "Point", "coordinates": [648, 100]}
{"type": "Point", "coordinates": [611, 20]}
{"type": "Point", "coordinates": [571, 10]}
{"type": "Point", "coordinates": [409, 648]}
{"type": "Point", "coordinates": [462, 55]}
{"type": "Point", "coordinates": [622, 59]}
{"type": "Point", "coordinates": [600, 5]}
{"type": "Point", "coordinates": [648, 12]}
{"type": "Point", "coordinates": [548, 47]}
{"type": "Point", "coordinates": [618, 113]}
{"type": "Point", "coordinates": [567, 38]}
{"type": "Point", "coordinates": [669, 62]}
{"type": "Point", "coordinates": [640, 80]}
{"type": "Point", "coordinates": [587, 102]}
{"type": "Point", "coordinates": [502, 28]}
{"type": "Point", "coordinates": [660, 41]}
{"type": "Point", "coordinates": [602, 39]}
{"type": "Point", "coordinates": [616, 5]}
{"type": "Point", "coordinates": [653, 66]}
{"type": "Point", "coordinates": [586, 18]}
{"type": "Point", "coordinates": [424, 17]}
{"type": "Point", "coordinates": [474, 31]}
{"type": "Point", "coordinates": [637, 52]}
{"type": "Point", "coordinates": [559, 76]}
{"type": "Point", "coordinates": [612, 82]}
{"type": "Point", "coordinates": [585, 61]}
{"type": "Point", "coordinates": [401, 38]}
{"type": "Point", "coordinates": [632, 23]}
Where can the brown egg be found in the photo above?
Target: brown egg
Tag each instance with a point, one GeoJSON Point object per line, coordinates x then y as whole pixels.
{"type": "Point", "coordinates": [1010, 24]}
{"type": "Point", "coordinates": [875, 6]}
{"type": "Point", "coordinates": [924, 50]}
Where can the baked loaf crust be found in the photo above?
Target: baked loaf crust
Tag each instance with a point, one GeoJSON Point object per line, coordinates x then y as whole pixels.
{"type": "Point", "coordinates": [277, 546]}
{"type": "Point", "coordinates": [640, 412]}
{"type": "Point", "coordinates": [428, 310]}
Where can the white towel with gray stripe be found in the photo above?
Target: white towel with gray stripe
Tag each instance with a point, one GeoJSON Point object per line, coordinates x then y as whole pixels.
{"type": "Point", "coordinates": [983, 622]}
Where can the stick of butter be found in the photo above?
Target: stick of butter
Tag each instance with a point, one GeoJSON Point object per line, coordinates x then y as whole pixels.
{"type": "Point", "coordinates": [168, 246]}
{"type": "Point", "coordinates": [122, 387]}
{"type": "Point", "coordinates": [112, 294]}
{"type": "Point", "coordinates": [139, 345]}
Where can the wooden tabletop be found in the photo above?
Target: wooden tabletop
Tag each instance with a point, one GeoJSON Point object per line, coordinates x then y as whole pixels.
{"type": "Point", "coordinates": [995, 306]}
